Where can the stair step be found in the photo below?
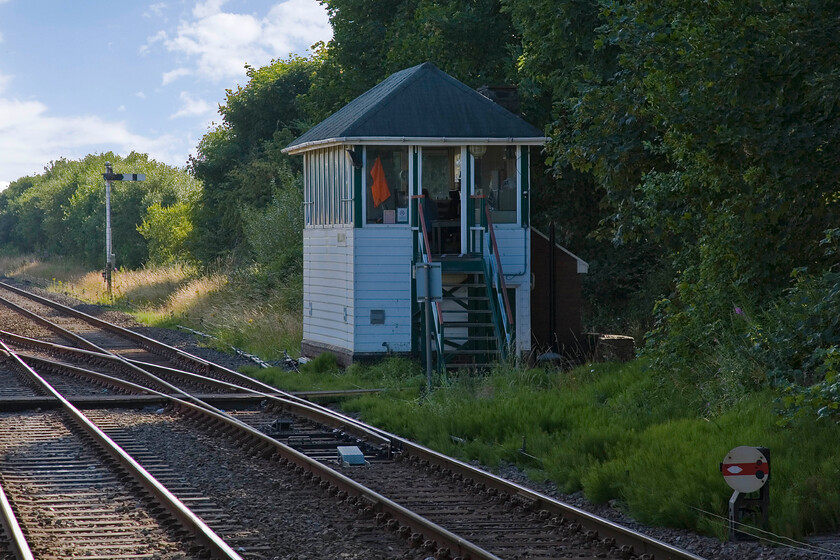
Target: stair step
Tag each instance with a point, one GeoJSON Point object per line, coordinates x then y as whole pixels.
{"type": "Point", "coordinates": [470, 311]}
{"type": "Point", "coordinates": [457, 324]}
{"type": "Point", "coordinates": [457, 295]}
{"type": "Point", "coordinates": [471, 339]}
{"type": "Point", "coordinates": [453, 353]}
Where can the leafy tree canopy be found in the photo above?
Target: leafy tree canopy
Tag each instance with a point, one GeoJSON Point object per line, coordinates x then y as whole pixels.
{"type": "Point", "coordinates": [239, 161]}
{"type": "Point", "coordinates": [62, 211]}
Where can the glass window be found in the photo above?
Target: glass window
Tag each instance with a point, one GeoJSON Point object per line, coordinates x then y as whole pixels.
{"type": "Point", "coordinates": [495, 177]}
{"type": "Point", "coordinates": [441, 179]}
{"type": "Point", "coordinates": [386, 180]}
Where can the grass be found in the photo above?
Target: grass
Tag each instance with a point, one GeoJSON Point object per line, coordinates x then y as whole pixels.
{"type": "Point", "coordinates": [220, 303]}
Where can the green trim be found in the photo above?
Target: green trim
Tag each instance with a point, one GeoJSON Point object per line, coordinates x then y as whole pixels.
{"type": "Point", "coordinates": [357, 193]}
{"type": "Point", "coordinates": [526, 185]}
{"type": "Point", "coordinates": [498, 328]}
{"type": "Point", "coordinates": [417, 322]}
{"type": "Point", "coordinates": [467, 169]}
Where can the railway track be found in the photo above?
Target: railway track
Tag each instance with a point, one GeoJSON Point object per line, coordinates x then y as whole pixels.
{"type": "Point", "coordinates": [77, 494]}
{"type": "Point", "coordinates": [435, 505]}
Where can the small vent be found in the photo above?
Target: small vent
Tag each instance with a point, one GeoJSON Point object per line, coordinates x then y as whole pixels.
{"type": "Point", "coordinates": [377, 316]}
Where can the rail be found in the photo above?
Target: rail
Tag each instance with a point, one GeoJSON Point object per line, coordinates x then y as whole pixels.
{"type": "Point", "coordinates": [217, 547]}
{"type": "Point", "coordinates": [17, 540]}
{"type": "Point", "coordinates": [266, 445]}
{"type": "Point", "coordinates": [642, 543]}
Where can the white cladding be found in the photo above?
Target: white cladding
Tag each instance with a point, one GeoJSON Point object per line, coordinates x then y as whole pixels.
{"type": "Point", "coordinates": [350, 272]}
{"type": "Point", "coordinates": [514, 248]}
{"type": "Point", "coordinates": [382, 266]}
{"type": "Point", "coordinates": [328, 286]}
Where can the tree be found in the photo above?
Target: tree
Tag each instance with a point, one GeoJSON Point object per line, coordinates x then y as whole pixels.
{"type": "Point", "coordinates": [62, 211]}
{"type": "Point", "coordinates": [714, 137]}
{"type": "Point", "coordinates": [239, 161]}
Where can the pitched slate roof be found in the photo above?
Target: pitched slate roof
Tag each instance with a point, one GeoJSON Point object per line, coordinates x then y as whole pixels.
{"type": "Point", "coordinates": [421, 102]}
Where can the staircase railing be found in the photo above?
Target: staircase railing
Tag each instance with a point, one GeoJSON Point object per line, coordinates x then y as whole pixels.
{"type": "Point", "coordinates": [426, 257]}
{"type": "Point", "coordinates": [490, 251]}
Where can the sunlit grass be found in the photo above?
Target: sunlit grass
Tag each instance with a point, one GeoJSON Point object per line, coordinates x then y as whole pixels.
{"type": "Point", "coordinates": [217, 303]}
{"type": "Point", "coordinates": [43, 272]}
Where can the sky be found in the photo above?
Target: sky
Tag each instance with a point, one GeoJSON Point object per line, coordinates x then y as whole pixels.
{"type": "Point", "coordinates": [85, 77]}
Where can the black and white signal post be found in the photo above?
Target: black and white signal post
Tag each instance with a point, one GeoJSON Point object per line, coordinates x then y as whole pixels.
{"type": "Point", "coordinates": [109, 176]}
{"type": "Point", "coordinates": [747, 470]}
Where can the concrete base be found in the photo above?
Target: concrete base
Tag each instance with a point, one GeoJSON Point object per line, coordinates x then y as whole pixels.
{"type": "Point", "coordinates": [344, 357]}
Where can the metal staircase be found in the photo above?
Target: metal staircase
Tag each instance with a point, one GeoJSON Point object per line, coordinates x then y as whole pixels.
{"type": "Point", "coordinates": [471, 330]}
{"type": "Point", "coordinates": [472, 325]}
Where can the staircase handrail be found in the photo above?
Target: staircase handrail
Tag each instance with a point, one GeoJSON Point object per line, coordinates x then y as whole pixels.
{"type": "Point", "coordinates": [426, 256]}
{"type": "Point", "coordinates": [493, 248]}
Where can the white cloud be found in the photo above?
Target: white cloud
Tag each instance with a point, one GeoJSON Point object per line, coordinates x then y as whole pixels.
{"type": "Point", "coordinates": [173, 75]}
{"type": "Point", "coordinates": [293, 23]}
{"type": "Point", "coordinates": [4, 81]}
{"type": "Point", "coordinates": [208, 8]}
{"type": "Point", "coordinates": [158, 37]}
{"type": "Point", "coordinates": [219, 43]}
{"type": "Point", "coordinates": [140, 94]}
{"type": "Point", "coordinates": [30, 138]}
{"type": "Point", "coordinates": [155, 10]}
{"type": "Point", "coordinates": [193, 107]}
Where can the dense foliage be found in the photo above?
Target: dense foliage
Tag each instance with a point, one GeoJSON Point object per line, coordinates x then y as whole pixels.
{"type": "Point", "coordinates": [239, 161]}
{"type": "Point", "coordinates": [716, 138]}
{"type": "Point", "coordinates": [61, 212]}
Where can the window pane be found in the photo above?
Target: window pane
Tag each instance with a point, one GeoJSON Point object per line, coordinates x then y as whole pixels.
{"type": "Point", "coordinates": [387, 185]}
{"type": "Point", "coordinates": [495, 177]}
{"type": "Point", "coordinates": [441, 178]}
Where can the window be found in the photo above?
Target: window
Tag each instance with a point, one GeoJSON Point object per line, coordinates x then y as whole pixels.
{"type": "Point", "coordinates": [386, 185]}
{"type": "Point", "coordinates": [496, 178]}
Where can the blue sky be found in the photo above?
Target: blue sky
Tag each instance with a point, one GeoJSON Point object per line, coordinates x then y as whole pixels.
{"type": "Point", "coordinates": [88, 76]}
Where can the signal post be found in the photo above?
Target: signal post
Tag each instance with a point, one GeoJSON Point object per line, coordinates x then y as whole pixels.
{"type": "Point", "coordinates": [109, 176]}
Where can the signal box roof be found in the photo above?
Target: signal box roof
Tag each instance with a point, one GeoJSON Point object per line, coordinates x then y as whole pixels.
{"type": "Point", "coordinates": [424, 105]}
